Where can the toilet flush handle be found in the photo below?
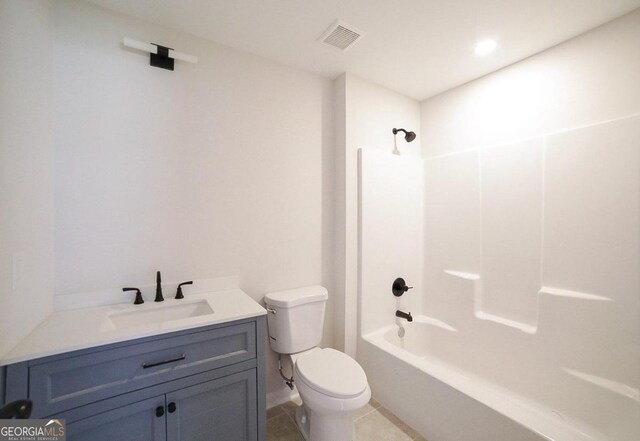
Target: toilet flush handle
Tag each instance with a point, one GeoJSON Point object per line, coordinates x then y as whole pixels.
{"type": "Point", "coordinates": [272, 310]}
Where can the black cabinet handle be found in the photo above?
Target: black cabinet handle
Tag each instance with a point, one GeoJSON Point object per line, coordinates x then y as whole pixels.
{"type": "Point", "coordinates": [172, 407]}
{"type": "Point", "coordinates": [158, 363]}
{"type": "Point", "coordinates": [159, 411]}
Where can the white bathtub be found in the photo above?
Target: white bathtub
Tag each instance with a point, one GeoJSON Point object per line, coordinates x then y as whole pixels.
{"type": "Point", "coordinates": [440, 382]}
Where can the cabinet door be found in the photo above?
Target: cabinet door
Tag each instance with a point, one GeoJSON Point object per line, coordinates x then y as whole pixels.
{"type": "Point", "coordinates": [141, 421]}
{"type": "Point", "coordinates": [219, 410]}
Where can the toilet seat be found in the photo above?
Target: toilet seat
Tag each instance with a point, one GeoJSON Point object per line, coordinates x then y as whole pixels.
{"type": "Point", "coordinates": [331, 373]}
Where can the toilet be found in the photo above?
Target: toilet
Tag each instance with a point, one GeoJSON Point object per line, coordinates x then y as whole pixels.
{"type": "Point", "coordinates": [332, 385]}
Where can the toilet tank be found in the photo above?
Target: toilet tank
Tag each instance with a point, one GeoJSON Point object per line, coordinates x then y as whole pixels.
{"type": "Point", "coordinates": [295, 318]}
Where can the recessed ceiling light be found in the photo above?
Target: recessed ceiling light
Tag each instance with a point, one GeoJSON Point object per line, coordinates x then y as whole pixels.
{"type": "Point", "coordinates": [485, 47]}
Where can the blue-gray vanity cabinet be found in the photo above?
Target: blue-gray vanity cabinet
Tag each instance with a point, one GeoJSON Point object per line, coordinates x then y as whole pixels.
{"type": "Point", "coordinates": [209, 382]}
{"type": "Point", "coordinates": [223, 409]}
{"type": "Point", "coordinates": [133, 422]}
{"type": "Point", "coordinates": [60, 384]}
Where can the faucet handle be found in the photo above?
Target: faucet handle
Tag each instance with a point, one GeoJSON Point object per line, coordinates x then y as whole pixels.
{"type": "Point", "coordinates": [179, 294]}
{"type": "Point", "coordinates": [399, 287]}
{"type": "Point", "coordinates": [139, 300]}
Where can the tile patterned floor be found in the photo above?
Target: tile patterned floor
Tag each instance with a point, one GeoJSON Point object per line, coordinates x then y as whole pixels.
{"type": "Point", "coordinates": [373, 423]}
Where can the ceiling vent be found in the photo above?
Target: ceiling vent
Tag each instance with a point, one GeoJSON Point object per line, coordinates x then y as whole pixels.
{"type": "Point", "coordinates": [341, 35]}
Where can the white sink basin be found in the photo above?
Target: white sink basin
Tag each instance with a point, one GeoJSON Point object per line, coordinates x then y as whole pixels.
{"type": "Point", "coordinates": [143, 315]}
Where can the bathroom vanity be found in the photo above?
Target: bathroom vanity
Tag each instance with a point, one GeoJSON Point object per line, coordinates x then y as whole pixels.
{"type": "Point", "coordinates": [192, 378]}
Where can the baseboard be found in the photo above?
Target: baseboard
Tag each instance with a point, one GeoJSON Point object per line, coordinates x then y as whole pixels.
{"type": "Point", "coordinates": [281, 396]}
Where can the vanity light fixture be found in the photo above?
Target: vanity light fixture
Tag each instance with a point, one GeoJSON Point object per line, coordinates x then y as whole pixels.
{"type": "Point", "coordinates": [160, 56]}
{"type": "Point", "coordinates": [485, 47]}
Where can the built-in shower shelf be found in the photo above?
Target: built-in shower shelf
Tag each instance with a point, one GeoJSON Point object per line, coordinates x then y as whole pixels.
{"type": "Point", "coordinates": [605, 383]}
{"type": "Point", "coordinates": [528, 328]}
{"type": "Point", "coordinates": [524, 327]}
{"type": "Point", "coordinates": [462, 275]}
{"type": "Point", "coordinates": [558, 292]}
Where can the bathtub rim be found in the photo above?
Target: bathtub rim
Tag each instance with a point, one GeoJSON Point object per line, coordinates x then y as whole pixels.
{"type": "Point", "coordinates": [525, 412]}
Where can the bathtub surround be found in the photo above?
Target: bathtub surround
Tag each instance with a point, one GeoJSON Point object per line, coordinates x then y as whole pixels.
{"type": "Point", "coordinates": [528, 300]}
{"type": "Point", "coordinates": [531, 252]}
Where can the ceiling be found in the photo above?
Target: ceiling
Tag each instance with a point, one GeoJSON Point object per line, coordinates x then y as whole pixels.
{"type": "Point", "coordinates": [416, 47]}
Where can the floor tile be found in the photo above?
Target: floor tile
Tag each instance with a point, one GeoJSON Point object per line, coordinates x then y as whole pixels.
{"type": "Point", "coordinates": [372, 423]}
{"type": "Point", "coordinates": [274, 412]}
{"type": "Point", "coordinates": [365, 411]}
{"type": "Point", "coordinates": [376, 427]}
{"type": "Point", "coordinates": [290, 408]}
{"type": "Point", "coordinates": [398, 423]}
{"type": "Point", "coordinates": [282, 428]}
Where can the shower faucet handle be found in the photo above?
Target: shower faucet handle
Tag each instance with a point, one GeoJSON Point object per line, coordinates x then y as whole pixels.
{"type": "Point", "coordinates": [399, 287]}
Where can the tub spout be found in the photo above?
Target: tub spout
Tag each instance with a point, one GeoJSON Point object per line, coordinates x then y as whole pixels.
{"type": "Point", "coordinates": [404, 315]}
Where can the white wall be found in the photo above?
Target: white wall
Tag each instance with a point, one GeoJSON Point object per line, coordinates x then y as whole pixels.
{"type": "Point", "coordinates": [26, 172]}
{"type": "Point", "coordinates": [586, 80]}
{"type": "Point", "coordinates": [370, 112]}
{"type": "Point", "coordinates": [219, 168]}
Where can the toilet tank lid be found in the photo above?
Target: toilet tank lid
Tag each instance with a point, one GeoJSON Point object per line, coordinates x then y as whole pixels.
{"type": "Point", "coordinates": [297, 296]}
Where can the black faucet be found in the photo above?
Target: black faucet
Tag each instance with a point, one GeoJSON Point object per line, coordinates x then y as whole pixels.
{"type": "Point", "coordinates": [159, 297]}
{"type": "Point", "coordinates": [404, 315]}
{"type": "Point", "coordinates": [179, 294]}
{"type": "Point", "coordinates": [139, 300]}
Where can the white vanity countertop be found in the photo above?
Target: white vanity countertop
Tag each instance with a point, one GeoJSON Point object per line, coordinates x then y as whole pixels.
{"type": "Point", "coordinates": [70, 330]}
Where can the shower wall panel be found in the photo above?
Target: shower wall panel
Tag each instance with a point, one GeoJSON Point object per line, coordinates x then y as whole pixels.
{"type": "Point", "coordinates": [451, 232]}
{"type": "Point", "coordinates": [390, 235]}
{"type": "Point", "coordinates": [511, 188]}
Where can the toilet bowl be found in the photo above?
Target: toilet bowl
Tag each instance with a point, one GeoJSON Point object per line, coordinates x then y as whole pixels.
{"type": "Point", "coordinates": [332, 385]}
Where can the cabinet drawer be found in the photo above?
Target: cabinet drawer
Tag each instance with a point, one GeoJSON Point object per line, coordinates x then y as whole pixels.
{"type": "Point", "coordinates": [63, 384]}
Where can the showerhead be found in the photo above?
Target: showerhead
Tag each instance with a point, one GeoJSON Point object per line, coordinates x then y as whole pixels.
{"type": "Point", "coordinates": [409, 136]}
